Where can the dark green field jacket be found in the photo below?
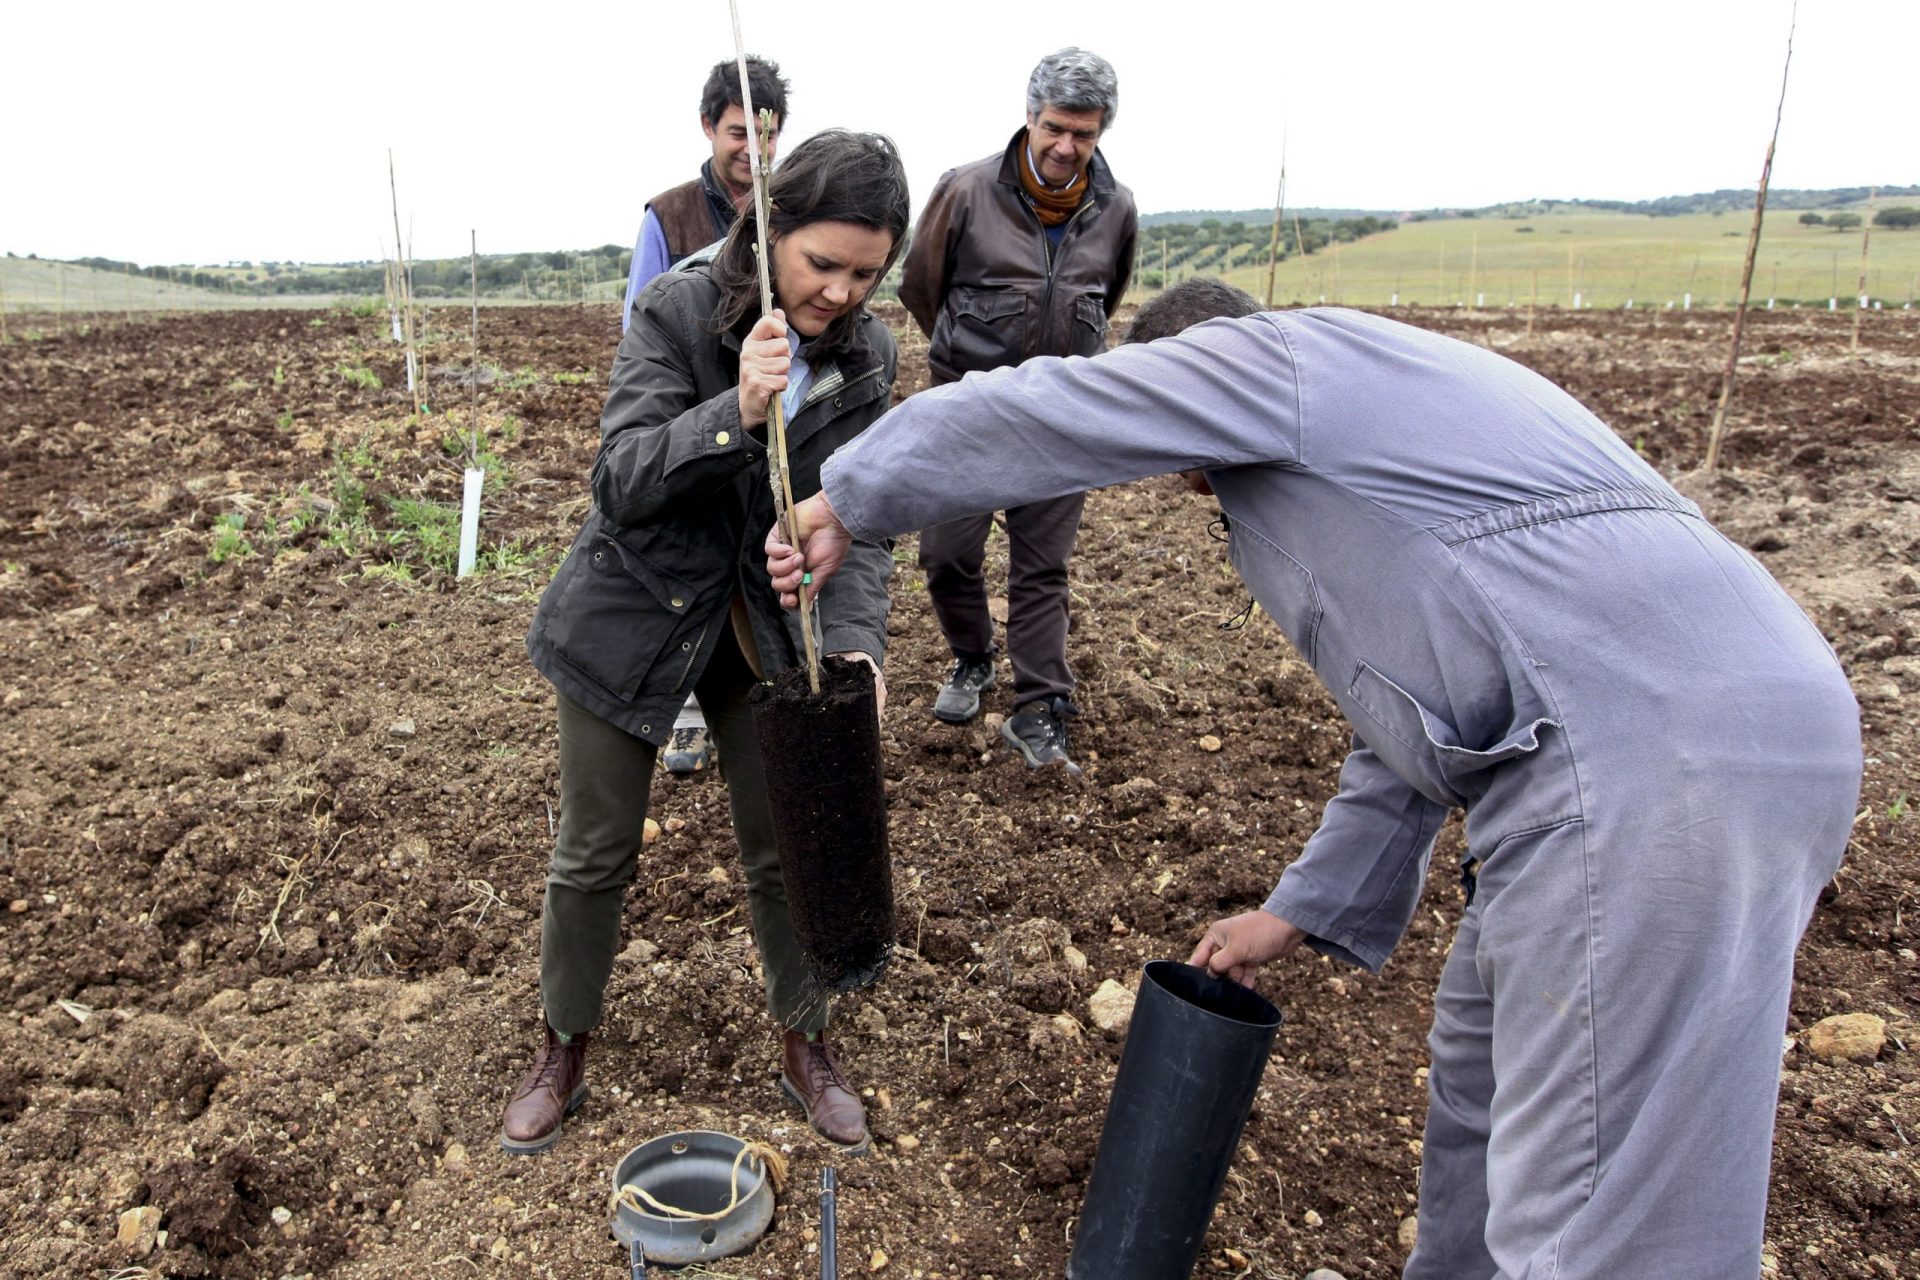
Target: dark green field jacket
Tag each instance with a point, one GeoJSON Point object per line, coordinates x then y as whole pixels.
{"type": "Point", "coordinates": [681, 508]}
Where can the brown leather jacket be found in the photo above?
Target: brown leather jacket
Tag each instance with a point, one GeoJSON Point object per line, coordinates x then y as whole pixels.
{"type": "Point", "coordinates": [985, 286]}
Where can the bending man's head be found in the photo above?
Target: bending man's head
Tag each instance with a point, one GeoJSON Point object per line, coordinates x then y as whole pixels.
{"type": "Point", "coordinates": [1186, 304]}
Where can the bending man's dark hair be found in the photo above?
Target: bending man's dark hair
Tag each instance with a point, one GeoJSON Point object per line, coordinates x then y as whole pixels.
{"type": "Point", "coordinates": [1187, 304]}
{"type": "Point", "coordinates": [722, 90]}
{"type": "Point", "coordinates": [835, 176]}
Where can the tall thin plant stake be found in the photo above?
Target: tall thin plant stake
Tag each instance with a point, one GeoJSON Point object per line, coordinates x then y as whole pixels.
{"type": "Point", "coordinates": [473, 376]}
{"type": "Point", "coordinates": [1279, 208]}
{"type": "Point", "coordinates": [779, 474]}
{"type": "Point", "coordinates": [406, 285]}
{"type": "Point", "coordinates": [1753, 248]}
{"type": "Point", "coordinates": [1860, 298]}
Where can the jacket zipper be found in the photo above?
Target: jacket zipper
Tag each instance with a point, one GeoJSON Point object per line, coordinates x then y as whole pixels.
{"type": "Point", "coordinates": [1047, 254]}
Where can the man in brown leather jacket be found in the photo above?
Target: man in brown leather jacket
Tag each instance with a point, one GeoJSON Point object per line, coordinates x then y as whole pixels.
{"type": "Point", "coordinates": [683, 220]}
{"type": "Point", "coordinates": [1025, 253]}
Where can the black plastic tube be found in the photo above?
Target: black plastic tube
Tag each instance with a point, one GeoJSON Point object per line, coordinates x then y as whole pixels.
{"type": "Point", "coordinates": [1195, 1051]}
{"type": "Point", "coordinates": [829, 1263]}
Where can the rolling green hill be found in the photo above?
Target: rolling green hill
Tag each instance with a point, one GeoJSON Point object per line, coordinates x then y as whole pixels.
{"type": "Point", "coordinates": [1607, 258]}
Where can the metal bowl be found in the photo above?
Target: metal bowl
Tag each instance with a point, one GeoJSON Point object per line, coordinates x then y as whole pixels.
{"type": "Point", "coordinates": [692, 1171]}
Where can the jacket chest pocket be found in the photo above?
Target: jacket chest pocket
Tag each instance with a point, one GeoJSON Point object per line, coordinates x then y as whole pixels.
{"type": "Point", "coordinates": [1089, 325]}
{"type": "Point", "coordinates": [1283, 586]}
{"type": "Point", "coordinates": [1419, 746]}
{"type": "Point", "coordinates": [983, 328]}
{"type": "Point", "coordinates": [622, 621]}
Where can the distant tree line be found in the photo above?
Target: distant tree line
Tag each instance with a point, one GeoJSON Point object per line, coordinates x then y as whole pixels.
{"type": "Point", "coordinates": [1899, 217]}
{"type": "Point", "coordinates": [1212, 246]}
{"type": "Point", "coordinates": [558, 273]}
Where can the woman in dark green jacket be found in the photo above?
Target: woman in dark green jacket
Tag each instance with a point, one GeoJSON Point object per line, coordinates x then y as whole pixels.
{"type": "Point", "coordinates": [664, 591]}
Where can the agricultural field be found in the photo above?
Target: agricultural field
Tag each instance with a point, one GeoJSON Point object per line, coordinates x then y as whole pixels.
{"type": "Point", "coordinates": [276, 795]}
{"type": "Point", "coordinates": [1607, 258]}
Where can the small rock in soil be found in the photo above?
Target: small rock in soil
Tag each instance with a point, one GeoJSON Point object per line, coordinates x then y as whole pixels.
{"type": "Point", "coordinates": [1409, 1234]}
{"type": "Point", "coordinates": [1111, 1006]}
{"type": "Point", "coordinates": [138, 1229]}
{"type": "Point", "coordinates": [1210, 744]}
{"type": "Point", "coordinates": [1849, 1037]}
{"type": "Point", "coordinates": [401, 728]}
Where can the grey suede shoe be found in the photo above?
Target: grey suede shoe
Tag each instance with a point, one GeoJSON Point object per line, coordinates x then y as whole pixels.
{"type": "Point", "coordinates": [959, 699]}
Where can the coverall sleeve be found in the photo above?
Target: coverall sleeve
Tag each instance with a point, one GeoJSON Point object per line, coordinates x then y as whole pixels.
{"type": "Point", "coordinates": [660, 446]}
{"type": "Point", "coordinates": [854, 603]}
{"type": "Point", "coordinates": [929, 260]}
{"type": "Point", "coordinates": [1222, 394]}
{"type": "Point", "coordinates": [649, 260]}
{"type": "Point", "coordinates": [1354, 887]}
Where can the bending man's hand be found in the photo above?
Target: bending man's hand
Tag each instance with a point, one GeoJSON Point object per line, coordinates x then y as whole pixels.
{"type": "Point", "coordinates": [879, 677]}
{"type": "Point", "coordinates": [823, 548]}
{"type": "Point", "coordinates": [1237, 946]}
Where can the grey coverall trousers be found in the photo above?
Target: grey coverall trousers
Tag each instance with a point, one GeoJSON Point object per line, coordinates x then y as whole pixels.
{"type": "Point", "coordinates": [1657, 752]}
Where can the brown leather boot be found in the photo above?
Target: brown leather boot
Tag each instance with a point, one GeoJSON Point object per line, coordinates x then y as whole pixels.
{"type": "Point", "coordinates": [553, 1090]}
{"type": "Point", "coordinates": [812, 1078]}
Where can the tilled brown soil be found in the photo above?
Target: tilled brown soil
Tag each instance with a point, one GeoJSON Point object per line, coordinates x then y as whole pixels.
{"type": "Point", "coordinates": [273, 827]}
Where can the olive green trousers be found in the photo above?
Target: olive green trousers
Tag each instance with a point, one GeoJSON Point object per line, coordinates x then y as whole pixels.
{"type": "Point", "coordinates": [606, 777]}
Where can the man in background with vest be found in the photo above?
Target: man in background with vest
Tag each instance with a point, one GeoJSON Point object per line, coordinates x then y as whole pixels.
{"type": "Point", "coordinates": [1025, 253]}
{"type": "Point", "coordinates": [685, 219]}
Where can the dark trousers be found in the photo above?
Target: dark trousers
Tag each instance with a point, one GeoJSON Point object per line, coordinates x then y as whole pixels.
{"type": "Point", "coordinates": [606, 775]}
{"type": "Point", "coordinates": [1040, 540]}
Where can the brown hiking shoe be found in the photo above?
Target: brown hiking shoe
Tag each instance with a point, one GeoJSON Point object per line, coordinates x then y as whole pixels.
{"type": "Point", "coordinates": [812, 1078]}
{"type": "Point", "coordinates": [553, 1090]}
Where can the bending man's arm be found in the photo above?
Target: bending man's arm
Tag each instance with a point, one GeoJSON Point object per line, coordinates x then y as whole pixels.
{"type": "Point", "coordinates": [1354, 887]}
{"type": "Point", "coordinates": [1220, 395]}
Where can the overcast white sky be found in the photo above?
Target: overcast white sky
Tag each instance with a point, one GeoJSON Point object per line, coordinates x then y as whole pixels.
{"type": "Point", "coordinates": [207, 132]}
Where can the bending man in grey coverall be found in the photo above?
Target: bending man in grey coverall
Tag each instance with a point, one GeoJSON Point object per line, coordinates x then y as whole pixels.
{"type": "Point", "coordinates": [1658, 754]}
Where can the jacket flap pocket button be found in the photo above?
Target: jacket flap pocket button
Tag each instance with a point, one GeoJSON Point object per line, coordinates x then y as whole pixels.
{"type": "Point", "coordinates": [678, 603]}
{"type": "Point", "coordinates": [721, 437]}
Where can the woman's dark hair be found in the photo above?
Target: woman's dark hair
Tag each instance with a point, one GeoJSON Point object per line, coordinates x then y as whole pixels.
{"type": "Point", "coordinates": [835, 176]}
{"type": "Point", "coordinates": [1187, 304]}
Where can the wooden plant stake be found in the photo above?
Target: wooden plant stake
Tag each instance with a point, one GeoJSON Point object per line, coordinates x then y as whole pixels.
{"type": "Point", "coordinates": [473, 374]}
{"type": "Point", "coordinates": [1279, 211]}
{"type": "Point", "coordinates": [1753, 248]}
{"type": "Point", "coordinates": [819, 740]}
{"type": "Point", "coordinates": [1860, 294]}
{"type": "Point", "coordinates": [406, 289]}
{"type": "Point", "coordinates": [779, 475]}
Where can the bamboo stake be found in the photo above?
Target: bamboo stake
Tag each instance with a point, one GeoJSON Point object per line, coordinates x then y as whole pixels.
{"type": "Point", "coordinates": [4, 339]}
{"type": "Point", "coordinates": [1534, 300]}
{"type": "Point", "coordinates": [1753, 248]}
{"type": "Point", "coordinates": [1473, 271]}
{"type": "Point", "coordinates": [473, 374]}
{"type": "Point", "coordinates": [779, 474]}
{"type": "Point", "coordinates": [1866, 231]}
{"type": "Point", "coordinates": [406, 288]}
{"type": "Point", "coordinates": [1279, 208]}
